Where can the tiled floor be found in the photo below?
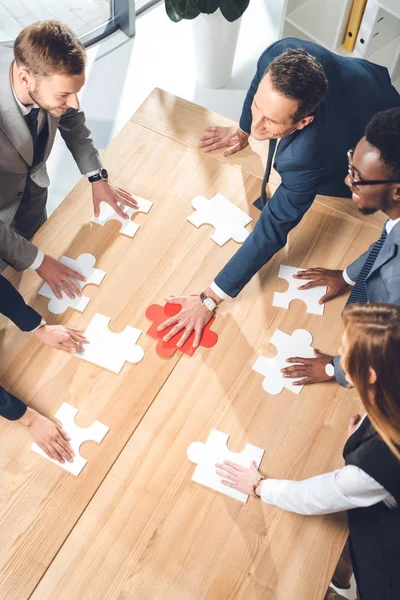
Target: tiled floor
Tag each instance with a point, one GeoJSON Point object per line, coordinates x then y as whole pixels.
{"type": "Point", "coordinates": [80, 15]}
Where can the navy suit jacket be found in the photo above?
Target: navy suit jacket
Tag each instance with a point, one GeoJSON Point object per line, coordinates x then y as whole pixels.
{"type": "Point", "coordinates": [313, 160]}
{"type": "Point", "coordinates": [13, 306]}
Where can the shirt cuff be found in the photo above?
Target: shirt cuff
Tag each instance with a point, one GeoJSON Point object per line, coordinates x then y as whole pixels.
{"type": "Point", "coordinates": [38, 261]}
{"type": "Point", "coordinates": [91, 173]}
{"type": "Point", "coordinates": [347, 278]}
{"type": "Point", "coordinates": [221, 294]}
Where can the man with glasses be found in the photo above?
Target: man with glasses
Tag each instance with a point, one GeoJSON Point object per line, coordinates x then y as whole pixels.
{"type": "Point", "coordinates": [374, 181]}
{"type": "Point", "coordinates": [316, 104]}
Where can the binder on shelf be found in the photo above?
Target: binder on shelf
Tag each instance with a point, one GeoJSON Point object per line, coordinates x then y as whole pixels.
{"type": "Point", "coordinates": [378, 27]}
{"type": "Point", "coordinates": [356, 15]}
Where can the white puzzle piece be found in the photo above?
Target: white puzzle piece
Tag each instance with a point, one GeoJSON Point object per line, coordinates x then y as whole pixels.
{"type": "Point", "coordinates": [310, 297]}
{"type": "Point", "coordinates": [128, 227]}
{"type": "Point", "coordinates": [84, 264]}
{"type": "Point", "coordinates": [297, 344]}
{"type": "Point", "coordinates": [110, 350]}
{"type": "Point", "coordinates": [96, 433]}
{"type": "Point", "coordinates": [228, 220]}
{"type": "Point", "coordinates": [214, 451]}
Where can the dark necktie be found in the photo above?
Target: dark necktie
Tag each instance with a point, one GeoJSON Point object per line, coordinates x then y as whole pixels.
{"type": "Point", "coordinates": [32, 122]}
{"type": "Point", "coordinates": [262, 200]}
{"type": "Point", "coordinates": [359, 291]}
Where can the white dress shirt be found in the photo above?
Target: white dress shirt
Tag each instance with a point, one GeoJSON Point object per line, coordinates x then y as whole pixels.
{"type": "Point", "coordinates": [343, 489]}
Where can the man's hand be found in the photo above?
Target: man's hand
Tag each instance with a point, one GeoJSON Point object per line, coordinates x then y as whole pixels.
{"type": "Point", "coordinates": [353, 423]}
{"type": "Point", "coordinates": [48, 436]}
{"type": "Point", "coordinates": [193, 317]}
{"type": "Point", "coordinates": [105, 191]}
{"type": "Point", "coordinates": [332, 279]}
{"type": "Point", "coordinates": [312, 370]}
{"type": "Point", "coordinates": [232, 138]}
{"type": "Point", "coordinates": [58, 276]}
{"type": "Point", "coordinates": [61, 337]}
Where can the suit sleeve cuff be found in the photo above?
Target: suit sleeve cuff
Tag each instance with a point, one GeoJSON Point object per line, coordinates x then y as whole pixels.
{"type": "Point", "coordinates": [91, 173]}
{"type": "Point", "coordinates": [347, 278]}
{"type": "Point", "coordinates": [220, 293]}
{"type": "Point", "coordinates": [38, 261]}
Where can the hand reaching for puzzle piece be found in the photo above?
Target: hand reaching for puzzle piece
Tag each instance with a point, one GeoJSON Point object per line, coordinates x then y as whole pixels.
{"type": "Point", "coordinates": [309, 370]}
{"type": "Point", "coordinates": [84, 267]}
{"type": "Point", "coordinates": [76, 436]}
{"type": "Point", "coordinates": [298, 343]}
{"type": "Point", "coordinates": [333, 280]}
{"type": "Point", "coordinates": [168, 334]}
{"type": "Point", "coordinates": [214, 451]}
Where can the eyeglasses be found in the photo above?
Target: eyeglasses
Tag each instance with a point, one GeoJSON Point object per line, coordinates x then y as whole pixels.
{"type": "Point", "coordinates": [357, 182]}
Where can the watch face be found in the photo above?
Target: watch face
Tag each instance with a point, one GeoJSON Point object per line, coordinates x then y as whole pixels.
{"type": "Point", "coordinates": [209, 304]}
{"type": "Point", "coordinates": [103, 174]}
{"type": "Point", "coordinates": [329, 370]}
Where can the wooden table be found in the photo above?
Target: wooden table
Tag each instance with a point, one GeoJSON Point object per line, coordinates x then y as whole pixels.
{"type": "Point", "coordinates": [133, 525]}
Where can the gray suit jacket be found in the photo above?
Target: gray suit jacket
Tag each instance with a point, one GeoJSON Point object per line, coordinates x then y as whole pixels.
{"type": "Point", "coordinates": [16, 158]}
{"type": "Point", "coordinates": [383, 282]}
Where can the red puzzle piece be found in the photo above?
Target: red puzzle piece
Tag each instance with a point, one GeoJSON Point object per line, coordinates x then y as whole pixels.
{"type": "Point", "coordinates": [158, 314]}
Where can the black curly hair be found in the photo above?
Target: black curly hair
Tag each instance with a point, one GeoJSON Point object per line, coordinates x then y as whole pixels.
{"type": "Point", "coordinates": [383, 132]}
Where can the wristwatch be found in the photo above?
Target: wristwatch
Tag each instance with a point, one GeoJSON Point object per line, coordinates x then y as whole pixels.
{"type": "Point", "coordinates": [102, 175]}
{"type": "Point", "coordinates": [209, 303]}
{"type": "Point", "coordinates": [330, 369]}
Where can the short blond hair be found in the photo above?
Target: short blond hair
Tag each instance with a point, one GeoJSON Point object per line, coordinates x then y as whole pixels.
{"type": "Point", "coordinates": [50, 47]}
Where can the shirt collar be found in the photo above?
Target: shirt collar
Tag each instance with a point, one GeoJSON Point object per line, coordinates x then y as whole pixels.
{"type": "Point", "coordinates": [390, 224]}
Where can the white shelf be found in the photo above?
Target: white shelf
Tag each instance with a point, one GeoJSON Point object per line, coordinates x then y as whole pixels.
{"type": "Point", "coordinates": [392, 6]}
{"type": "Point", "coordinates": [320, 21]}
{"type": "Point", "coordinates": [387, 55]}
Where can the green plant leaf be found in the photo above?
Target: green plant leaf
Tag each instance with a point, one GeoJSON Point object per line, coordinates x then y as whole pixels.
{"type": "Point", "coordinates": [207, 6]}
{"type": "Point", "coordinates": [181, 9]}
{"type": "Point", "coordinates": [233, 9]}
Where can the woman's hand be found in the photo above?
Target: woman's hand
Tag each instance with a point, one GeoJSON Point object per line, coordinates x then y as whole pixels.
{"type": "Point", "coordinates": [237, 477]}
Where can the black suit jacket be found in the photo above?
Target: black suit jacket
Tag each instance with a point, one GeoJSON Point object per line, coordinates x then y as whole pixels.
{"type": "Point", "coordinates": [13, 306]}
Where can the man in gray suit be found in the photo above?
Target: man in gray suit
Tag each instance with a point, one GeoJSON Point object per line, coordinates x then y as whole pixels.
{"type": "Point", "coordinates": [39, 82]}
{"type": "Point", "coordinates": [374, 179]}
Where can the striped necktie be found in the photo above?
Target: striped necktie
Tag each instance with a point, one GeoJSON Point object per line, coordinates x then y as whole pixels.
{"type": "Point", "coordinates": [359, 291]}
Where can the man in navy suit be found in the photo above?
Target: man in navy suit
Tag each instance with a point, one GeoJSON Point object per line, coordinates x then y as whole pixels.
{"type": "Point", "coordinates": [374, 180]}
{"type": "Point", "coordinates": [317, 104]}
{"type": "Point", "coordinates": [49, 437]}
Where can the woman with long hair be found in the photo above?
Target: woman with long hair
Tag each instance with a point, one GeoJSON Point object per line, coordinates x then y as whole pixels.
{"type": "Point", "coordinates": [368, 486]}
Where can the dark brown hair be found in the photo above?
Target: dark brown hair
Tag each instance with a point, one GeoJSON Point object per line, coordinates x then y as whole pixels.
{"type": "Point", "coordinates": [297, 75]}
{"type": "Point", "coordinates": [49, 47]}
{"type": "Point", "coordinates": [373, 334]}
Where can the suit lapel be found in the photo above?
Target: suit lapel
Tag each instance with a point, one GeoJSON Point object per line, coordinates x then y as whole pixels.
{"type": "Point", "coordinates": [11, 120]}
{"type": "Point", "coordinates": [15, 128]}
{"type": "Point", "coordinates": [389, 249]}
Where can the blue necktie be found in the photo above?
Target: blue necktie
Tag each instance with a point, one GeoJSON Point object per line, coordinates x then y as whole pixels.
{"type": "Point", "coordinates": [262, 200]}
{"type": "Point", "coordinates": [359, 291]}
